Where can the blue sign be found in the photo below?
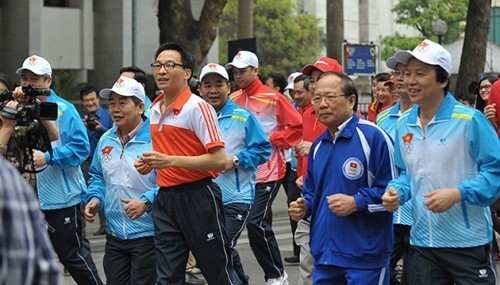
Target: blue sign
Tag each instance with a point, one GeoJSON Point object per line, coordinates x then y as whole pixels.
{"type": "Point", "coordinates": [360, 59]}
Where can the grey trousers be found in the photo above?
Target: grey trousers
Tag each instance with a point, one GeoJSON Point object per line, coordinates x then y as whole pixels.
{"type": "Point", "coordinates": [306, 264]}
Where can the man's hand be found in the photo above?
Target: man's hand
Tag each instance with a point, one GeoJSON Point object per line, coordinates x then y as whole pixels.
{"type": "Point", "coordinates": [142, 167]}
{"type": "Point", "coordinates": [300, 182]}
{"type": "Point", "coordinates": [441, 200]}
{"type": "Point", "coordinates": [341, 204]}
{"type": "Point", "coordinates": [157, 159]}
{"type": "Point", "coordinates": [390, 200]}
{"type": "Point", "coordinates": [297, 209]}
{"type": "Point", "coordinates": [10, 124]}
{"type": "Point", "coordinates": [134, 208]}
{"type": "Point", "coordinates": [38, 158]}
{"type": "Point", "coordinates": [91, 210]}
{"type": "Point", "coordinates": [303, 148]}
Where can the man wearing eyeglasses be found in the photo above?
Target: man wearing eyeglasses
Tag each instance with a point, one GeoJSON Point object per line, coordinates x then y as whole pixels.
{"type": "Point", "coordinates": [349, 166]}
{"type": "Point", "coordinates": [188, 151]}
{"type": "Point", "coordinates": [283, 126]}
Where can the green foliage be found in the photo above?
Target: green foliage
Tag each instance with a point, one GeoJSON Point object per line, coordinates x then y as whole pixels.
{"type": "Point", "coordinates": [390, 45]}
{"type": "Point", "coordinates": [421, 15]}
{"type": "Point", "coordinates": [66, 83]}
{"type": "Point", "coordinates": [286, 39]}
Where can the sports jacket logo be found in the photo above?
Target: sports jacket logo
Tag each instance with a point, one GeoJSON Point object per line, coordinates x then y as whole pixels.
{"type": "Point", "coordinates": [407, 143]}
{"type": "Point", "coordinates": [352, 168]}
{"type": "Point", "coordinates": [106, 153]}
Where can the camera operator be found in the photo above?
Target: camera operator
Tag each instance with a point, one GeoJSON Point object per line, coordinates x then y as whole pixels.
{"type": "Point", "coordinates": [61, 184]}
{"type": "Point", "coordinates": [18, 142]}
{"type": "Point", "coordinates": [97, 120]}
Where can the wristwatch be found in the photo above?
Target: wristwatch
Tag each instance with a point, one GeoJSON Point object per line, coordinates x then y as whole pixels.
{"type": "Point", "coordinates": [147, 203]}
{"type": "Point", "coordinates": [236, 161]}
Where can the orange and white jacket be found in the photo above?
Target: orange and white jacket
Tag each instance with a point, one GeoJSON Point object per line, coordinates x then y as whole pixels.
{"type": "Point", "coordinates": [280, 121]}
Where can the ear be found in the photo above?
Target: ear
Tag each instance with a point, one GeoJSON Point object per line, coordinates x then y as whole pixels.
{"type": "Point", "coordinates": [141, 107]}
{"type": "Point", "coordinates": [444, 84]}
{"type": "Point", "coordinates": [187, 73]}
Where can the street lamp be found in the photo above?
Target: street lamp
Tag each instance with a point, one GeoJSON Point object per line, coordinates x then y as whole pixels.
{"type": "Point", "coordinates": [440, 28]}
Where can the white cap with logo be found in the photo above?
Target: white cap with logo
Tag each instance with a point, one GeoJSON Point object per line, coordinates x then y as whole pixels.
{"type": "Point", "coordinates": [291, 78]}
{"type": "Point", "coordinates": [427, 52]}
{"type": "Point", "coordinates": [125, 86]}
{"type": "Point", "coordinates": [244, 59]}
{"type": "Point", "coordinates": [214, 68]}
{"type": "Point", "coordinates": [36, 64]}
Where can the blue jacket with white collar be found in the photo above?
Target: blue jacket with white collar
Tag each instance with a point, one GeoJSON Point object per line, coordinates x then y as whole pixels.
{"type": "Point", "coordinates": [358, 162]}
{"type": "Point", "coordinates": [458, 149]}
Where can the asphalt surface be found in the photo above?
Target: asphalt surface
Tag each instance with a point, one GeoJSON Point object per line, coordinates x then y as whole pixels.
{"type": "Point", "coordinates": [282, 232]}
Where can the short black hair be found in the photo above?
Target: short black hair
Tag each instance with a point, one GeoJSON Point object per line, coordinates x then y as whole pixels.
{"type": "Point", "coordinates": [279, 80]}
{"type": "Point", "coordinates": [85, 90]}
{"type": "Point", "coordinates": [139, 74]}
{"type": "Point", "coordinates": [441, 77]}
{"type": "Point", "coordinates": [187, 56]}
{"type": "Point", "coordinates": [348, 87]}
{"type": "Point", "coordinates": [305, 78]}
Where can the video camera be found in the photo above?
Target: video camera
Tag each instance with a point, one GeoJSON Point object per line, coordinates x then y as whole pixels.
{"type": "Point", "coordinates": [31, 109]}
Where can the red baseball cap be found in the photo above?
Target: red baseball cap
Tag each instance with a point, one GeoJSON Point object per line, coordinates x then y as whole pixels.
{"type": "Point", "coordinates": [391, 80]}
{"type": "Point", "coordinates": [324, 64]}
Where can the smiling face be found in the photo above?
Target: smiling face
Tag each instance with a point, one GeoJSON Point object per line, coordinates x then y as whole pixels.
{"type": "Point", "coordinates": [422, 85]}
{"type": "Point", "coordinates": [215, 90]}
{"type": "Point", "coordinates": [331, 106]}
{"type": "Point", "coordinates": [301, 96]}
{"type": "Point", "coordinates": [171, 81]}
{"type": "Point", "coordinates": [90, 102]}
{"type": "Point", "coordinates": [484, 89]}
{"type": "Point", "coordinates": [126, 114]}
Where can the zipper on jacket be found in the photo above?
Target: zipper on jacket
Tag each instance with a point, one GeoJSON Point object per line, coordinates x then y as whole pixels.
{"type": "Point", "coordinates": [237, 177]}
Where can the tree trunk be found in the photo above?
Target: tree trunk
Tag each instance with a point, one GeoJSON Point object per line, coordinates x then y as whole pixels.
{"type": "Point", "coordinates": [177, 24]}
{"type": "Point", "coordinates": [334, 28]}
{"type": "Point", "coordinates": [475, 43]}
{"type": "Point", "coordinates": [245, 19]}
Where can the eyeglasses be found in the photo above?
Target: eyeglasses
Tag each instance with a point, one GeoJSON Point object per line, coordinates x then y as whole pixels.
{"type": "Point", "coordinates": [396, 72]}
{"type": "Point", "coordinates": [316, 100]}
{"type": "Point", "coordinates": [485, 87]}
{"type": "Point", "coordinates": [167, 65]}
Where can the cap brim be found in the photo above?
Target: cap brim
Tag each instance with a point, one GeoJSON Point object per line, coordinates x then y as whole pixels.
{"type": "Point", "coordinates": [37, 72]}
{"type": "Point", "coordinates": [404, 56]}
{"type": "Point", "coordinates": [307, 70]}
{"type": "Point", "coordinates": [105, 93]}
{"type": "Point", "coordinates": [237, 64]}
{"type": "Point", "coordinates": [392, 62]}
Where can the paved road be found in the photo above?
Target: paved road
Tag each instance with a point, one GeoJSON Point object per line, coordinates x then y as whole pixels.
{"type": "Point", "coordinates": [282, 231]}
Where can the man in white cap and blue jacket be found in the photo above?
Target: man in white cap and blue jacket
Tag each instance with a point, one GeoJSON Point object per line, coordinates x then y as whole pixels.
{"type": "Point", "coordinates": [61, 184]}
{"type": "Point", "coordinates": [448, 156]}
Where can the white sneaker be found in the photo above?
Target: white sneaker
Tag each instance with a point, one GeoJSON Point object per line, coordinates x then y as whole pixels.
{"type": "Point", "coordinates": [282, 280]}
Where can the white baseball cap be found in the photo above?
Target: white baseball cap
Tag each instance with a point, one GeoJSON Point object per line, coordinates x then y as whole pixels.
{"type": "Point", "coordinates": [243, 59]}
{"type": "Point", "coordinates": [214, 68]}
{"type": "Point", "coordinates": [36, 64]}
{"type": "Point", "coordinates": [291, 78]}
{"type": "Point", "coordinates": [125, 86]}
{"type": "Point", "coordinates": [427, 52]}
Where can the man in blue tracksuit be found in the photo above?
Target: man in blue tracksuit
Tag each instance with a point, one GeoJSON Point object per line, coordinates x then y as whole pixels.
{"type": "Point", "coordinates": [61, 184]}
{"type": "Point", "coordinates": [124, 194]}
{"type": "Point", "coordinates": [349, 166]}
{"type": "Point", "coordinates": [246, 147]}
{"type": "Point", "coordinates": [450, 168]}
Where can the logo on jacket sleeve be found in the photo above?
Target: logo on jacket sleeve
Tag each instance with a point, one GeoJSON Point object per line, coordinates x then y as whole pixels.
{"type": "Point", "coordinates": [407, 143]}
{"type": "Point", "coordinates": [106, 153]}
{"type": "Point", "coordinates": [352, 168]}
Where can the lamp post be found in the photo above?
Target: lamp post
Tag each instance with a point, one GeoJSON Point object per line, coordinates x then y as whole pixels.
{"type": "Point", "coordinates": [440, 28]}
